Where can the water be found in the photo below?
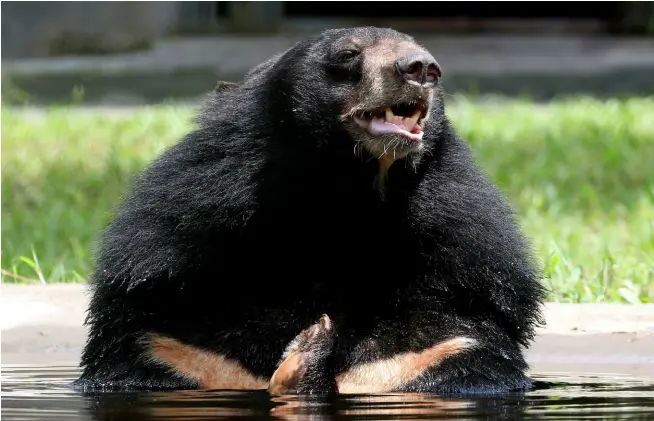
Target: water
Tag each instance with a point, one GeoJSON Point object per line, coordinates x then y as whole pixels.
{"type": "Point", "coordinates": [40, 393]}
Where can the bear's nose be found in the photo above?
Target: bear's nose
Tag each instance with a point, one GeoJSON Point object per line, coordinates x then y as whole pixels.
{"type": "Point", "coordinates": [418, 67]}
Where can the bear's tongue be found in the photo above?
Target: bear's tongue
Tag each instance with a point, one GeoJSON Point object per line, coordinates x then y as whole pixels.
{"type": "Point", "coordinates": [407, 126]}
{"type": "Point", "coordinates": [406, 123]}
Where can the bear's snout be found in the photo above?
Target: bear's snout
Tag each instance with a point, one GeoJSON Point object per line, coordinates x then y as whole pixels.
{"type": "Point", "coordinates": [418, 68]}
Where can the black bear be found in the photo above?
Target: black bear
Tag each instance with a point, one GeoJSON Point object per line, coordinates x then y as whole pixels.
{"type": "Point", "coordinates": [323, 214]}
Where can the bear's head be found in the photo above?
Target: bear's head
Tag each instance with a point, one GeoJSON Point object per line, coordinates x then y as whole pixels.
{"type": "Point", "coordinates": [384, 84]}
{"type": "Point", "coordinates": [354, 90]}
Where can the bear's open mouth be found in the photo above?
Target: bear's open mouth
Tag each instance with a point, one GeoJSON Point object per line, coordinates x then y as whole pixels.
{"type": "Point", "coordinates": [405, 118]}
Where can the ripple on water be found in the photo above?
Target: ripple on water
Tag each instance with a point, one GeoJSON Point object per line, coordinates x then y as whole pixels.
{"type": "Point", "coordinates": [41, 393]}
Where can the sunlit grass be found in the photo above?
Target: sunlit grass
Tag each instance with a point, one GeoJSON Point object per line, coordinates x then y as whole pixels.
{"type": "Point", "coordinates": [580, 173]}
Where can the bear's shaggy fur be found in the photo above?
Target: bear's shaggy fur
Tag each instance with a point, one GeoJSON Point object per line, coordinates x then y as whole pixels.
{"type": "Point", "coordinates": [276, 209]}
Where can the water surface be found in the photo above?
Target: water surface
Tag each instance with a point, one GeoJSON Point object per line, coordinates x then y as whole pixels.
{"type": "Point", "coordinates": [41, 393]}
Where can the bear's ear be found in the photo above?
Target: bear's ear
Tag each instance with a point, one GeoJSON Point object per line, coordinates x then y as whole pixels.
{"type": "Point", "coordinates": [223, 85]}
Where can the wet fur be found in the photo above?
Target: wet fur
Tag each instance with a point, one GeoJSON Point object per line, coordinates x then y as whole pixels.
{"type": "Point", "coordinates": [305, 367]}
{"type": "Point", "coordinates": [207, 369]}
{"type": "Point", "coordinates": [261, 219]}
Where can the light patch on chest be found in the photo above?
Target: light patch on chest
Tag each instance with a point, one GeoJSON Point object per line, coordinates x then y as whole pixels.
{"type": "Point", "coordinates": [385, 162]}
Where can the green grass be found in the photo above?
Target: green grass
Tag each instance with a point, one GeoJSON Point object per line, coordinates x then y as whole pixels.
{"type": "Point", "coordinates": [580, 172]}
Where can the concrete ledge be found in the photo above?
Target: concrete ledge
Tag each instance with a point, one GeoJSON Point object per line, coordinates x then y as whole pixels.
{"type": "Point", "coordinates": [461, 54]}
{"type": "Point", "coordinates": [42, 324]}
{"type": "Point", "coordinates": [585, 319]}
{"type": "Point", "coordinates": [541, 66]}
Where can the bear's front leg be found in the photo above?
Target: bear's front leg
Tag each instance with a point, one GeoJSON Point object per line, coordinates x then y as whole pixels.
{"type": "Point", "coordinates": [307, 365]}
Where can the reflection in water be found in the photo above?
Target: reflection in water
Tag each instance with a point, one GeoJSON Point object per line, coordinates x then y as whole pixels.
{"type": "Point", "coordinates": [40, 393]}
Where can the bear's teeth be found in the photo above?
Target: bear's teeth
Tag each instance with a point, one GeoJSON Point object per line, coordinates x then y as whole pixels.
{"type": "Point", "coordinates": [413, 119]}
{"type": "Point", "coordinates": [389, 115]}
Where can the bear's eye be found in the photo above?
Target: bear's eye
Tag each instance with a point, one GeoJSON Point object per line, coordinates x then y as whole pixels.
{"type": "Point", "coordinates": [347, 55]}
